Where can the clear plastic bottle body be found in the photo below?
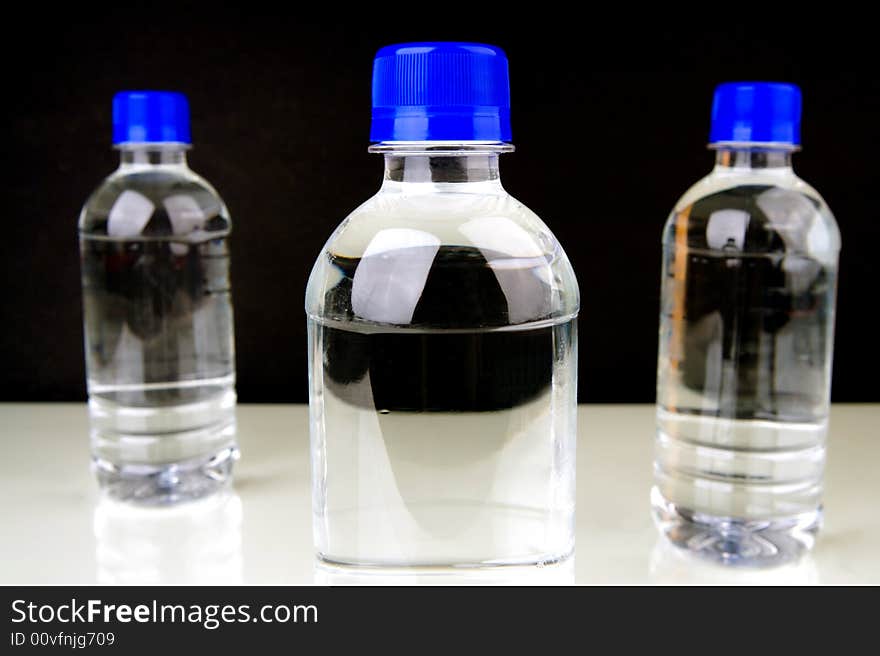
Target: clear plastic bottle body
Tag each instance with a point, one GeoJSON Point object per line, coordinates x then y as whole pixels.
{"type": "Point", "coordinates": [443, 372]}
{"type": "Point", "coordinates": [158, 329]}
{"type": "Point", "coordinates": [744, 372]}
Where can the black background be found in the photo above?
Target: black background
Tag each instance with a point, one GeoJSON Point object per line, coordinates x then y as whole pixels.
{"type": "Point", "coordinates": [610, 119]}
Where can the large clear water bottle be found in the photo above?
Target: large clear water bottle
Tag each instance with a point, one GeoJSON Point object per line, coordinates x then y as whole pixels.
{"type": "Point", "coordinates": [442, 338]}
{"type": "Point", "coordinates": [749, 276]}
{"type": "Point", "coordinates": [158, 313]}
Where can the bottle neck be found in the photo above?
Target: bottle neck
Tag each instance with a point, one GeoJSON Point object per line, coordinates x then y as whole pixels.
{"type": "Point", "coordinates": [459, 166]}
{"type": "Point", "coordinates": [451, 169]}
{"type": "Point", "coordinates": [731, 160]}
{"type": "Point", "coordinates": [152, 154]}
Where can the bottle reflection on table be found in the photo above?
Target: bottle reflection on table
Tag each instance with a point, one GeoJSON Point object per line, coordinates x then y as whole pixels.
{"type": "Point", "coordinates": [195, 543]}
{"type": "Point", "coordinates": [670, 565]}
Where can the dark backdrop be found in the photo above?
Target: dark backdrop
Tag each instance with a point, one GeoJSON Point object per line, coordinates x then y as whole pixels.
{"type": "Point", "coordinates": [610, 121]}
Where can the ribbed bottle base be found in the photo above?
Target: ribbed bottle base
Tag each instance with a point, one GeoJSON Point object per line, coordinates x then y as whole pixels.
{"type": "Point", "coordinates": [165, 484]}
{"type": "Point", "coordinates": [734, 541]}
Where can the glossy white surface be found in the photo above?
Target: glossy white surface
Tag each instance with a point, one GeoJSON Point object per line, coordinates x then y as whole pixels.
{"type": "Point", "coordinates": [57, 530]}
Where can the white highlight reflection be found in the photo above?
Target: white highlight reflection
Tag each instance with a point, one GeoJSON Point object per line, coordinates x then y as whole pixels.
{"type": "Point", "coordinates": [130, 214]}
{"type": "Point", "coordinates": [187, 219]}
{"type": "Point", "coordinates": [392, 273]}
{"type": "Point", "coordinates": [727, 228]}
{"type": "Point", "coordinates": [670, 565]}
{"type": "Point", "coordinates": [555, 574]}
{"type": "Point", "coordinates": [184, 213]}
{"type": "Point", "coordinates": [518, 262]}
{"type": "Point", "coordinates": [195, 543]}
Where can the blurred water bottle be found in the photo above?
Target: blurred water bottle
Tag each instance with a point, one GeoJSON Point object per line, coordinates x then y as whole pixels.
{"type": "Point", "coordinates": [443, 345]}
{"type": "Point", "coordinates": [749, 277]}
{"type": "Point", "coordinates": [158, 313]}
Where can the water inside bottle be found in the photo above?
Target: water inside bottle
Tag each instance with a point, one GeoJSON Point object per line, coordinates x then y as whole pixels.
{"type": "Point", "coordinates": [440, 444]}
{"type": "Point", "coordinates": [159, 341]}
{"type": "Point", "coordinates": [744, 371]}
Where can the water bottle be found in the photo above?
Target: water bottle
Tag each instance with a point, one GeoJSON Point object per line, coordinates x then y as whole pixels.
{"type": "Point", "coordinates": [443, 341]}
{"type": "Point", "coordinates": [157, 313]}
{"type": "Point", "coordinates": [746, 329]}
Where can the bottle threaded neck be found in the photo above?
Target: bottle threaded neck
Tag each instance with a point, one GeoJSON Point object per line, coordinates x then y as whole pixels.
{"type": "Point", "coordinates": [753, 158]}
{"type": "Point", "coordinates": [446, 168]}
{"type": "Point", "coordinates": [156, 154]}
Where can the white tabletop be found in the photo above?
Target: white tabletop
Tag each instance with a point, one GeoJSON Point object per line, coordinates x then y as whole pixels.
{"type": "Point", "coordinates": [58, 530]}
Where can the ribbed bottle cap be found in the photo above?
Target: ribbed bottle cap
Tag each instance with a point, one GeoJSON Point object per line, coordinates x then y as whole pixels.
{"type": "Point", "coordinates": [756, 112]}
{"type": "Point", "coordinates": [440, 91]}
{"type": "Point", "coordinates": [150, 117]}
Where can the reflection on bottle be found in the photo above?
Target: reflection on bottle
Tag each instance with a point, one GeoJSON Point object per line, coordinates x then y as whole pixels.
{"type": "Point", "coordinates": [671, 565]}
{"type": "Point", "coordinates": [519, 263]}
{"type": "Point", "coordinates": [196, 543]}
{"type": "Point", "coordinates": [392, 273]}
{"type": "Point", "coordinates": [554, 574]}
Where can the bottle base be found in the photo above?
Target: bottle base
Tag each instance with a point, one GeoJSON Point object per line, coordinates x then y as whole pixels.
{"type": "Point", "coordinates": [735, 541]}
{"type": "Point", "coordinates": [556, 572]}
{"type": "Point", "coordinates": [440, 568]}
{"type": "Point", "coordinates": [165, 484]}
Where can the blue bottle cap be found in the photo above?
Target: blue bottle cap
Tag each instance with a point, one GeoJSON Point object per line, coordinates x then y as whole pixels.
{"type": "Point", "coordinates": [440, 91]}
{"type": "Point", "coordinates": [150, 117]}
{"type": "Point", "coordinates": [756, 112]}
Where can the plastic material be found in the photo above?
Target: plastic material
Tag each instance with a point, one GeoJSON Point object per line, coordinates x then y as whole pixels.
{"type": "Point", "coordinates": [157, 311]}
{"type": "Point", "coordinates": [750, 257]}
{"type": "Point", "coordinates": [756, 112]}
{"type": "Point", "coordinates": [442, 323]}
{"type": "Point", "coordinates": [440, 91]}
{"type": "Point", "coordinates": [150, 117]}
